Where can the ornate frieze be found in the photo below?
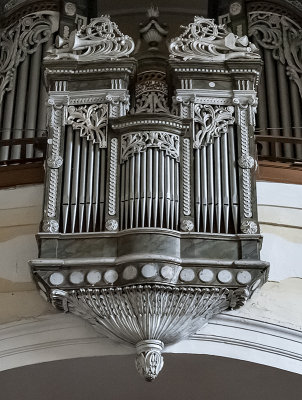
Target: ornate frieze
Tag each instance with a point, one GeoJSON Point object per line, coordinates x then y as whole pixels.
{"type": "Point", "coordinates": [92, 122]}
{"type": "Point", "coordinates": [137, 142]}
{"type": "Point", "coordinates": [100, 40]}
{"type": "Point", "coordinates": [210, 122]}
{"type": "Point", "coordinates": [283, 37]}
{"type": "Point", "coordinates": [21, 39]}
{"type": "Point", "coordinates": [203, 40]}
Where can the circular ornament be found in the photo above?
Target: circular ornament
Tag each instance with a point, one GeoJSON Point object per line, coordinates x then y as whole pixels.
{"type": "Point", "coordinates": [244, 277]}
{"type": "Point", "coordinates": [76, 277]}
{"type": "Point", "coordinates": [206, 275]}
{"type": "Point", "coordinates": [55, 162]}
{"type": "Point", "coordinates": [110, 276]}
{"type": "Point", "coordinates": [130, 272]}
{"type": "Point", "coordinates": [167, 272]}
{"type": "Point", "coordinates": [187, 225]}
{"type": "Point", "coordinates": [235, 8]}
{"type": "Point", "coordinates": [70, 9]}
{"type": "Point", "coordinates": [94, 277]}
{"type": "Point", "coordinates": [111, 225]}
{"type": "Point", "coordinates": [246, 161]}
{"type": "Point", "coordinates": [51, 226]}
{"type": "Point", "coordinates": [224, 276]}
{"type": "Point", "coordinates": [249, 227]}
{"type": "Point", "coordinates": [56, 278]}
{"type": "Point", "coordinates": [149, 270]}
{"type": "Point", "coordinates": [187, 274]}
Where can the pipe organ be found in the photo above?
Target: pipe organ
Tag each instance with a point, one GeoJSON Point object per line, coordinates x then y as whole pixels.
{"type": "Point", "coordinates": [150, 223]}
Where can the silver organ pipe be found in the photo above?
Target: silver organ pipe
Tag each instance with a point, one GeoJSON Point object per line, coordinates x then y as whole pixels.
{"type": "Point", "coordinates": [84, 184]}
{"type": "Point", "coordinates": [33, 99]}
{"type": "Point", "coordinates": [75, 180]}
{"type": "Point", "coordinates": [20, 105]}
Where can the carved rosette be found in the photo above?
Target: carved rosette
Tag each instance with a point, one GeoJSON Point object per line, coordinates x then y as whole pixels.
{"type": "Point", "coordinates": [100, 40]}
{"type": "Point", "coordinates": [91, 120]}
{"type": "Point", "coordinates": [137, 142]}
{"type": "Point", "coordinates": [249, 227]}
{"type": "Point", "coordinates": [50, 225]}
{"type": "Point", "coordinates": [203, 40]}
{"type": "Point", "coordinates": [21, 39]}
{"type": "Point", "coordinates": [210, 122]}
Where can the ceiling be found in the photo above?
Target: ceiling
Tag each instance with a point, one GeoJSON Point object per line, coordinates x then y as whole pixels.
{"type": "Point", "coordinates": [184, 377]}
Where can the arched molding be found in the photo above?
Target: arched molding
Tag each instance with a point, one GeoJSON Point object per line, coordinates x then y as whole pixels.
{"type": "Point", "coordinates": [58, 337]}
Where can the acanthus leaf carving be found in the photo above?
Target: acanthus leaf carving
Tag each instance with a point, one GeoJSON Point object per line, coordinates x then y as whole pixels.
{"type": "Point", "coordinates": [203, 40]}
{"type": "Point", "coordinates": [100, 40]}
{"type": "Point", "coordinates": [210, 122]}
{"type": "Point", "coordinates": [92, 121]}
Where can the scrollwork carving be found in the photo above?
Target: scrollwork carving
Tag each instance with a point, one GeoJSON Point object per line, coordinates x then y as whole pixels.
{"type": "Point", "coordinates": [100, 40]}
{"type": "Point", "coordinates": [91, 120]}
{"type": "Point", "coordinates": [205, 41]}
{"type": "Point", "coordinates": [21, 39]}
{"type": "Point", "coordinates": [137, 142]}
{"type": "Point", "coordinates": [283, 37]}
{"type": "Point", "coordinates": [210, 122]}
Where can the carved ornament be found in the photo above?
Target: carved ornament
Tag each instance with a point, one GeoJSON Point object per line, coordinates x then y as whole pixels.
{"type": "Point", "coordinates": [137, 142]}
{"type": "Point", "coordinates": [283, 37]}
{"type": "Point", "coordinates": [21, 39]}
{"type": "Point", "coordinates": [203, 40]}
{"type": "Point", "coordinates": [91, 120]}
{"type": "Point", "coordinates": [210, 122]}
{"type": "Point", "coordinates": [100, 40]}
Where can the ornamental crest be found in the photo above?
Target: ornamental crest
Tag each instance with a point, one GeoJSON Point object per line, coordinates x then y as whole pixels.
{"type": "Point", "coordinates": [203, 40]}
{"type": "Point", "coordinates": [100, 40]}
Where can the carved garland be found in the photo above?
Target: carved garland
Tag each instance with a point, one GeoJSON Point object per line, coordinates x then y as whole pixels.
{"type": "Point", "coordinates": [137, 142]}
{"type": "Point", "coordinates": [21, 39]}
{"type": "Point", "coordinates": [92, 121]}
{"type": "Point", "coordinates": [210, 122]}
{"type": "Point", "coordinates": [283, 37]}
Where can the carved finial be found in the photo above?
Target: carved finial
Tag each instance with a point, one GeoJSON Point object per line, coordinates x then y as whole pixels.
{"type": "Point", "coordinates": [152, 31]}
{"type": "Point", "coordinates": [203, 40]}
{"type": "Point", "coordinates": [100, 40]}
{"type": "Point", "coordinates": [149, 361]}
